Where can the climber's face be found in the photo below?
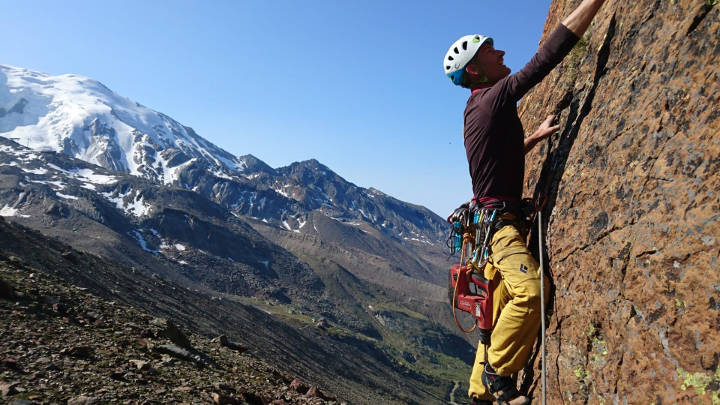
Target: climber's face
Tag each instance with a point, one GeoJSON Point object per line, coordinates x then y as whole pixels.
{"type": "Point", "coordinates": [488, 62]}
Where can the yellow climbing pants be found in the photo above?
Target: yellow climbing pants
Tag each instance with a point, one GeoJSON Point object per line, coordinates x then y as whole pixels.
{"type": "Point", "coordinates": [516, 308]}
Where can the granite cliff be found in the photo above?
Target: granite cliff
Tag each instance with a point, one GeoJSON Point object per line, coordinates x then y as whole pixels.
{"type": "Point", "coordinates": [632, 219]}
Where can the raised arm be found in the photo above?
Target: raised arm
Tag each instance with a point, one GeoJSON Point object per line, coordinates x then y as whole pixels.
{"type": "Point", "coordinates": [557, 45]}
{"type": "Point", "coordinates": [579, 20]}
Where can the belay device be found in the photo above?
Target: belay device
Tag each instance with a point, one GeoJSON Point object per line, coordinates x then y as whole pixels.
{"type": "Point", "coordinates": [469, 290]}
{"type": "Point", "coordinates": [472, 293]}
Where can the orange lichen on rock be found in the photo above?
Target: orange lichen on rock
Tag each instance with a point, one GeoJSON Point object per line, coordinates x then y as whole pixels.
{"type": "Point", "coordinates": [633, 205]}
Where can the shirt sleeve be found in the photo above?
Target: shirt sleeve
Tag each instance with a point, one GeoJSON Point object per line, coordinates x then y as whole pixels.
{"type": "Point", "coordinates": [513, 87]}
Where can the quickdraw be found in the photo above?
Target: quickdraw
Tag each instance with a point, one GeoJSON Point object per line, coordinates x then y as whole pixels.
{"type": "Point", "coordinates": [472, 230]}
{"type": "Point", "coordinates": [473, 227]}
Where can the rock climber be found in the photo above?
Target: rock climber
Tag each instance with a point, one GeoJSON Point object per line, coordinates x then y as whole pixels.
{"type": "Point", "coordinates": [495, 145]}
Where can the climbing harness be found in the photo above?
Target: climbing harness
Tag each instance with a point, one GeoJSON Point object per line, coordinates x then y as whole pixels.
{"type": "Point", "coordinates": [473, 226]}
{"type": "Point", "coordinates": [542, 306]}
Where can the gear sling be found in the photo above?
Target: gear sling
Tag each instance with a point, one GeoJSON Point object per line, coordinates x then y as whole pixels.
{"type": "Point", "coordinates": [469, 290]}
{"type": "Point", "coordinates": [506, 306]}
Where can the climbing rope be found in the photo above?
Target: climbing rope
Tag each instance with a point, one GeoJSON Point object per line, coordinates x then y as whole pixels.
{"type": "Point", "coordinates": [542, 305]}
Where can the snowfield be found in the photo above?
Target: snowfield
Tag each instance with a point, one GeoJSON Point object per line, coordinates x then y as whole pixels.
{"type": "Point", "coordinates": [82, 118]}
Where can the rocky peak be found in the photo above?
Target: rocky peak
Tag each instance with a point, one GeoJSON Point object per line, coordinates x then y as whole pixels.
{"type": "Point", "coordinates": [253, 164]}
{"type": "Point", "coordinates": [312, 171]}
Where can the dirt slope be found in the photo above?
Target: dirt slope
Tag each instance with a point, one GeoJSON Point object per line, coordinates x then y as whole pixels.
{"type": "Point", "coordinates": [632, 220]}
{"type": "Point", "coordinates": [316, 355]}
{"type": "Point", "coordinates": [61, 344]}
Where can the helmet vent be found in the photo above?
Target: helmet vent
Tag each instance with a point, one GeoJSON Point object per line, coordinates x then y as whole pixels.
{"type": "Point", "coordinates": [461, 53]}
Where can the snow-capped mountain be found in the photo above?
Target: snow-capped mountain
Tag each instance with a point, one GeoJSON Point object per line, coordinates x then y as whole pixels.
{"type": "Point", "coordinates": [116, 180]}
{"type": "Point", "coordinates": [81, 118]}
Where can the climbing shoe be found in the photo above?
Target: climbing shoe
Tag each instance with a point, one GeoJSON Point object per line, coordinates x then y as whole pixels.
{"type": "Point", "coordinates": [476, 401]}
{"type": "Point", "coordinates": [502, 388]}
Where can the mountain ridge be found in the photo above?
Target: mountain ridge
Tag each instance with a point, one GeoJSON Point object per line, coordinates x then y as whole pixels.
{"type": "Point", "coordinates": [298, 242]}
{"type": "Point", "coordinates": [82, 118]}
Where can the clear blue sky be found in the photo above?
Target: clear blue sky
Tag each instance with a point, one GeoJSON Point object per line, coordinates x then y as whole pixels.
{"type": "Point", "coordinates": [357, 85]}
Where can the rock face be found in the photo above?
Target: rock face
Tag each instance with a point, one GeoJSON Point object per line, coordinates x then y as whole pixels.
{"type": "Point", "coordinates": [632, 220]}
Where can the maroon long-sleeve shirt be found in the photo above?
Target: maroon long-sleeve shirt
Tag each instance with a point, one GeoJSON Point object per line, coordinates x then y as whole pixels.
{"type": "Point", "coordinates": [494, 136]}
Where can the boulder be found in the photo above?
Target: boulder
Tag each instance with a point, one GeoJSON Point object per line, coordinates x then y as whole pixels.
{"type": "Point", "coordinates": [140, 365]}
{"type": "Point", "coordinates": [225, 342]}
{"type": "Point", "coordinates": [80, 351]}
{"type": "Point", "coordinates": [10, 363]}
{"type": "Point", "coordinates": [321, 323]}
{"type": "Point", "coordinates": [82, 400]}
{"type": "Point", "coordinates": [315, 392]}
{"type": "Point", "coordinates": [221, 399]}
{"type": "Point", "coordinates": [252, 399]}
{"type": "Point", "coordinates": [70, 256]}
{"type": "Point", "coordinates": [7, 389]}
{"type": "Point", "coordinates": [20, 401]}
{"type": "Point", "coordinates": [299, 386]}
{"type": "Point", "coordinates": [6, 290]}
{"type": "Point", "coordinates": [180, 353]}
{"type": "Point", "coordinates": [169, 330]}
{"type": "Point", "coordinates": [174, 351]}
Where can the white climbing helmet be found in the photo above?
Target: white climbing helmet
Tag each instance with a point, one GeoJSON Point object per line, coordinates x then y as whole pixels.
{"type": "Point", "coordinates": [460, 54]}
